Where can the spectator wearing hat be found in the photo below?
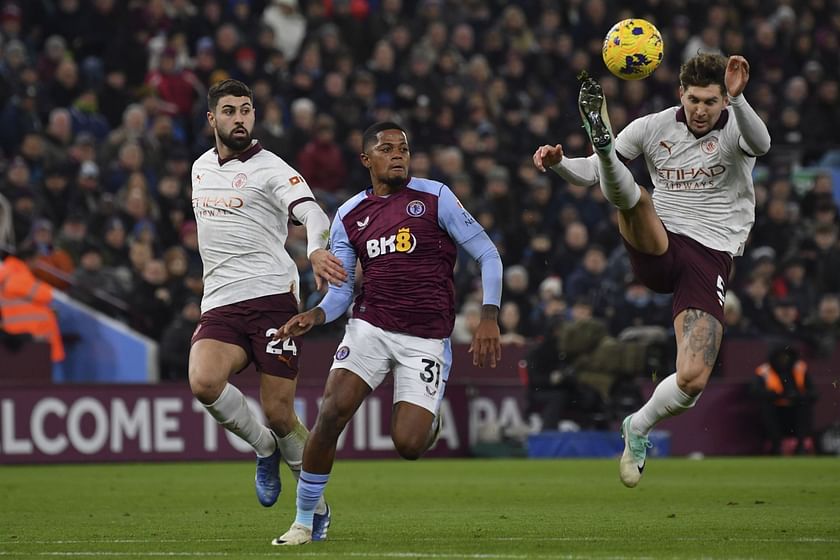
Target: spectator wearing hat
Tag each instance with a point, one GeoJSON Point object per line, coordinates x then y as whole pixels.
{"type": "Point", "coordinates": [83, 149]}
{"type": "Point", "coordinates": [785, 319]}
{"type": "Point", "coordinates": [55, 192]}
{"type": "Point", "coordinates": [86, 198]}
{"type": "Point", "coordinates": [246, 65]}
{"type": "Point", "coordinates": [205, 61]}
{"type": "Point", "coordinates": [94, 283]}
{"type": "Point", "coordinates": [85, 115]}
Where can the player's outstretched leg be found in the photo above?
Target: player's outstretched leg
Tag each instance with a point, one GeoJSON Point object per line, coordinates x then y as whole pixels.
{"type": "Point", "coordinates": [593, 110]}
{"type": "Point", "coordinates": [296, 535]}
{"type": "Point", "coordinates": [267, 479]}
{"type": "Point", "coordinates": [633, 459]}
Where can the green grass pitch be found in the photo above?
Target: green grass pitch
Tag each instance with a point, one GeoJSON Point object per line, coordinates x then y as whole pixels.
{"type": "Point", "coordinates": [436, 509]}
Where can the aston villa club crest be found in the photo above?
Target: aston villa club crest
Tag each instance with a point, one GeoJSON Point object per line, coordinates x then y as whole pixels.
{"type": "Point", "coordinates": [239, 181]}
{"type": "Point", "coordinates": [342, 353]}
{"type": "Point", "coordinates": [416, 208]}
{"type": "Point", "coordinates": [710, 146]}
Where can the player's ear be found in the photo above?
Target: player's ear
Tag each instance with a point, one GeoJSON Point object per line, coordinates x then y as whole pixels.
{"type": "Point", "coordinates": [363, 157]}
{"type": "Point", "coordinates": [211, 118]}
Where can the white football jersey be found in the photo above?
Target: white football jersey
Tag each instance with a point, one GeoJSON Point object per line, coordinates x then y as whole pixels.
{"type": "Point", "coordinates": [703, 186]}
{"type": "Point", "coordinates": [242, 210]}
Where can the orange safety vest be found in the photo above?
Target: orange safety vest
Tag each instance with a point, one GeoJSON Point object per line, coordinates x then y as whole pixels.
{"type": "Point", "coordinates": [773, 382]}
{"type": "Point", "coordinates": [24, 306]}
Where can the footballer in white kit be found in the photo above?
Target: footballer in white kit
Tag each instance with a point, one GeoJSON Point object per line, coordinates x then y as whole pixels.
{"type": "Point", "coordinates": [681, 240]}
{"type": "Point", "coordinates": [243, 199]}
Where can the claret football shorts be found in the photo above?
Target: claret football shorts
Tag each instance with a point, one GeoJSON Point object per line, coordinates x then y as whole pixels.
{"type": "Point", "coordinates": [251, 324]}
{"type": "Point", "coordinates": [694, 273]}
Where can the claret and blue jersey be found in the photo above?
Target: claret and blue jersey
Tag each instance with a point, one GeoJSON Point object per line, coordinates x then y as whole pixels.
{"type": "Point", "coordinates": [406, 243]}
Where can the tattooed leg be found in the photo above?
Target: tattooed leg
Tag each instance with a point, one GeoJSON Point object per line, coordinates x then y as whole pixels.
{"type": "Point", "coordinates": [698, 341]}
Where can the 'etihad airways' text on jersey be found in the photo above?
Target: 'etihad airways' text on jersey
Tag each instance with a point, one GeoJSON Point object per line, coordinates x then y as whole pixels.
{"type": "Point", "coordinates": [703, 186]}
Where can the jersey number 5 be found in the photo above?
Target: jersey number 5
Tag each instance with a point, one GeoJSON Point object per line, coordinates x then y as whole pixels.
{"type": "Point", "coordinates": [272, 346]}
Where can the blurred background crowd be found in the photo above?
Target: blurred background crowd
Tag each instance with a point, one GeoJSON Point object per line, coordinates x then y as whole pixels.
{"type": "Point", "coordinates": [103, 110]}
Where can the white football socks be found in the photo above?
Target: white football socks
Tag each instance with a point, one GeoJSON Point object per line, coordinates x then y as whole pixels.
{"type": "Point", "coordinates": [667, 400]}
{"type": "Point", "coordinates": [617, 183]}
{"type": "Point", "coordinates": [231, 411]}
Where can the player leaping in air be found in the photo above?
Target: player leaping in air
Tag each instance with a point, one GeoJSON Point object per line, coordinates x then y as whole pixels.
{"type": "Point", "coordinates": [700, 155]}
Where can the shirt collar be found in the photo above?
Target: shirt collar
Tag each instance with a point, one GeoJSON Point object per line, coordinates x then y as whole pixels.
{"type": "Point", "coordinates": [243, 156]}
{"type": "Point", "coordinates": [721, 122]}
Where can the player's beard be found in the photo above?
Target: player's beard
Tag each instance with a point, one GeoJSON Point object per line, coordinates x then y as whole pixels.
{"type": "Point", "coordinates": [396, 182]}
{"type": "Point", "coordinates": [236, 144]}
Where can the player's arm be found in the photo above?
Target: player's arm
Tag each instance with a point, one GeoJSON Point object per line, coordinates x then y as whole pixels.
{"type": "Point", "coordinates": [339, 296]}
{"type": "Point", "coordinates": [578, 171]}
{"type": "Point", "coordinates": [469, 234]}
{"type": "Point", "coordinates": [755, 138]}
{"type": "Point", "coordinates": [326, 267]}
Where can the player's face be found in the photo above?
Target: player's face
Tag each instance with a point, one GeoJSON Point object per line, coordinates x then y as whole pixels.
{"type": "Point", "coordinates": [389, 158]}
{"type": "Point", "coordinates": [233, 121]}
{"type": "Point", "coordinates": [703, 106]}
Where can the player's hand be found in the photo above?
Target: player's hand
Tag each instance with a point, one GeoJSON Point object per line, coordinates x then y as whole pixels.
{"type": "Point", "coordinates": [300, 324]}
{"type": "Point", "coordinates": [737, 75]}
{"type": "Point", "coordinates": [327, 268]}
{"type": "Point", "coordinates": [547, 156]}
{"type": "Point", "coordinates": [485, 345]}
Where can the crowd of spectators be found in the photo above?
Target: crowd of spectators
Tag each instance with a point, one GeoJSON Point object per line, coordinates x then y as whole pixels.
{"type": "Point", "coordinates": [102, 111]}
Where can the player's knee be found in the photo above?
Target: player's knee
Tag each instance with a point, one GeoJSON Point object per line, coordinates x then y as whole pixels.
{"type": "Point", "coordinates": [204, 386]}
{"type": "Point", "coordinates": [410, 447]}
{"type": "Point", "coordinates": [280, 415]}
{"type": "Point", "coordinates": [693, 383]}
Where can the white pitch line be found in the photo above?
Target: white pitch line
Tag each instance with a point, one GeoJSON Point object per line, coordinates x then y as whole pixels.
{"type": "Point", "coordinates": [817, 540]}
{"type": "Point", "coordinates": [419, 555]}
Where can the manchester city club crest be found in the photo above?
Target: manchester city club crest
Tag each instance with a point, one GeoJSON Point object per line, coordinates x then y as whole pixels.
{"type": "Point", "coordinates": [416, 208]}
{"type": "Point", "coordinates": [342, 353]}
{"type": "Point", "coordinates": [239, 181]}
{"type": "Point", "coordinates": [710, 146]}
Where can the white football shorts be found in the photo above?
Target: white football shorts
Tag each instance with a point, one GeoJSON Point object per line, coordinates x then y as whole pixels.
{"type": "Point", "coordinates": [420, 366]}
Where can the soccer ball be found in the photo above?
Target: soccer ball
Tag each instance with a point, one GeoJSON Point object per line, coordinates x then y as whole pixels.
{"type": "Point", "coordinates": [632, 49]}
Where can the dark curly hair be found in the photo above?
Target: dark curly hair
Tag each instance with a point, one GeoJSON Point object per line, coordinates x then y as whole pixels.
{"type": "Point", "coordinates": [227, 87]}
{"type": "Point", "coordinates": [703, 70]}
